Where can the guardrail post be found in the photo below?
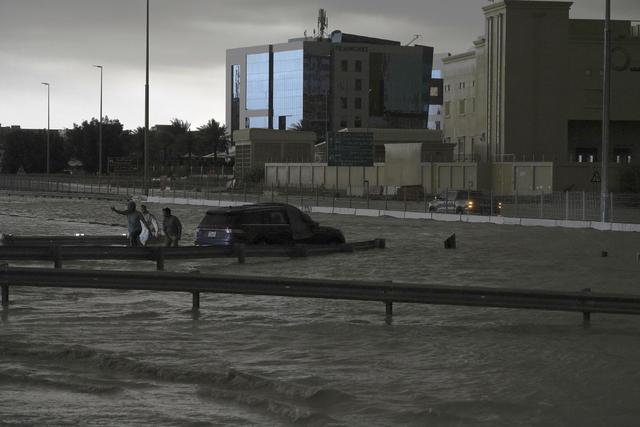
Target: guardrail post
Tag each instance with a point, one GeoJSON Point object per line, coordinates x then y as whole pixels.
{"type": "Point", "coordinates": [240, 252]}
{"type": "Point", "coordinates": [4, 288]}
{"type": "Point", "coordinates": [57, 256]}
{"type": "Point", "coordinates": [586, 315]}
{"type": "Point", "coordinates": [196, 300]}
{"type": "Point", "coordinates": [388, 311]}
{"type": "Point", "coordinates": [159, 259]}
{"type": "Point", "coordinates": [5, 295]}
{"type": "Point", "coordinates": [380, 243]}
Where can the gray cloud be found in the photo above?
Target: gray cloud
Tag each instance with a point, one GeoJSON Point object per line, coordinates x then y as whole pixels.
{"type": "Point", "coordinates": [59, 40]}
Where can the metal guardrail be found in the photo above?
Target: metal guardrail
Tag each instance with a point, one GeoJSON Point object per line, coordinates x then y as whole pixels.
{"type": "Point", "coordinates": [584, 302]}
{"type": "Point", "coordinates": [77, 240]}
{"type": "Point", "coordinates": [58, 253]}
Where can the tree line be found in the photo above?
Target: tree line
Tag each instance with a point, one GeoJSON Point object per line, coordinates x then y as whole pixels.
{"type": "Point", "coordinates": [25, 149]}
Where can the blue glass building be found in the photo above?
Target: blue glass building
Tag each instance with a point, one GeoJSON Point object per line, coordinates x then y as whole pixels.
{"type": "Point", "coordinates": [328, 84]}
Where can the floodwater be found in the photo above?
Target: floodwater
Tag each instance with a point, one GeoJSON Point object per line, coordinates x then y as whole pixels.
{"type": "Point", "coordinates": [89, 357]}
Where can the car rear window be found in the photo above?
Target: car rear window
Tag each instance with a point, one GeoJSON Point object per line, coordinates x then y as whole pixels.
{"type": "Point", "coordinates": [217, 219]}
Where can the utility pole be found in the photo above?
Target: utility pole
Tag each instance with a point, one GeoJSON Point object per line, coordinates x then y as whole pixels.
{"type": "Point", "coordinates": [146, 116]}
{"type": "Point", "coordinates": [48, 124]}
{"type": "Point", "coordinates": [606, 102]}
{"type": "Point", "coordinates": [100, 127]}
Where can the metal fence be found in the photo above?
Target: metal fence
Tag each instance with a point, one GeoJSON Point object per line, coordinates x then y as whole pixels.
{"type": "Point", "coordinates": [577, 206]}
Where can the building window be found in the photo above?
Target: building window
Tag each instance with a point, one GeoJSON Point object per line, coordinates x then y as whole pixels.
{"type": "Point", "coordinates": [358, 103]}
{"type": "Point", "coordinates": [461, 148]}
{"type": "Point", "coordinates": [344, 65]}
{"type": "Point", "coordinates": [357, 122]}
{"type": "Point", "coordinates": [358, 84]}
{"type": "Point", "coordinates": [343, 102]}
{"type": "Point", "coordinates": [447, 108]}
{"type": "Point", "coordinates": [586, 155]}
{"type": "Point", "coordinates": [343, 123]}
{"type": "Point", "coordinates": [235, 81]}
{"type": "Point", "coordinates": [434, 92]}
{"type": "Point", "coordinates": [235, 97]}
{"type": "Point", "coordinates": [359, 66]}
{"type": "Point", "coordinates": [473, 83]}
{"type": "Point", "coordinates": [462, 106]}
{"type": "Point", "coordinates": [438, 125]}
{"type": "Point", "coordinates": [257, 122]}
{"type": "Point", "coordinates": [288, 67]}
{"type": "Point", "coordinates": [257, 96]}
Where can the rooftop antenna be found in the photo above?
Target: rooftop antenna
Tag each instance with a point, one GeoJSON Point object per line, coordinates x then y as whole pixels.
{"type": "Point", "coordinates": [415, 37]}
{"type": "Point", "coordinates": [323, 22]}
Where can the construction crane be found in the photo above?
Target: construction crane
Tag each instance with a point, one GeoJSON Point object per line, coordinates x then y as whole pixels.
{"type": "Point", "coordinates": [415, 37]}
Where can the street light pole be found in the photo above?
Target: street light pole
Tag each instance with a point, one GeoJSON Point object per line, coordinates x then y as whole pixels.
{"type": "Point", "coordinates": [100, 127]}
{"type": "Point", "coordinates": [146, 115]}
{"type": "Point", "coordinates": [606, 102]}
{"type": "Point", "coordinates": [48, 122]}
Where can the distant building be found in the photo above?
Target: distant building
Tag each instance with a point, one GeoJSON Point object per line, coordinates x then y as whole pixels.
{"type": "Point", "coordinates": [531, 87]}
{"type": "Point", "coordinates": [255, 147]}
{"type": "Point", "coordinates": [328, 84]}
{"type": "Point", "coordinates": [436, 92]}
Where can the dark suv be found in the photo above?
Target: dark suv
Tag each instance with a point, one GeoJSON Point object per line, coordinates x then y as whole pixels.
{"type": "Point", "coordinates": [262, 223]}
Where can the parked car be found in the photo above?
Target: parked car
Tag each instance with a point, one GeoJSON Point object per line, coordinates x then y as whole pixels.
{"type": "Point", "coordinates": [262, 223]}
{"type": "Point", "coordinates": [465, 202]}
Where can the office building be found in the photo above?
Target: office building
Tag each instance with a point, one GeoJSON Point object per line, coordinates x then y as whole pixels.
{"type": "Point", "coordinates": [327, 84]}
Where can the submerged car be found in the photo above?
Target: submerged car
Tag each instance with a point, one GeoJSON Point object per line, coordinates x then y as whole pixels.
{"type": "Point", "coordinates": [262, 223]}
{"type": "Point", "coordinates": [465, 202]}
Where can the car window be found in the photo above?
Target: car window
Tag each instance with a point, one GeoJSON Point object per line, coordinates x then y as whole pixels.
{"type": "Point", "coordinates": [213, 219]}
{"type": "Point", "coordinates": [452, 195]}
{"type": "Point", "coordinates": [299, 227]}
{"type": "Point", "coordinates": [275, 217]}
{"type": "Point", "coordinates": [251, 218]}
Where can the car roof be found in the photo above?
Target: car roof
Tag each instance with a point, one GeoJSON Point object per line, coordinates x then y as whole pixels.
{"type": "Point", "coordinates": [232, 210]}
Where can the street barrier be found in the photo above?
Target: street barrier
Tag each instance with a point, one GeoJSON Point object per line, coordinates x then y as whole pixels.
{"type": "Point", "coordinates": [58, 253]}
{"type": "Point", "coordinates": [584, 302]}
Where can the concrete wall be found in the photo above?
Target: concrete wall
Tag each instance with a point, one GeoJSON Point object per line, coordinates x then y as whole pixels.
{"type": "Point", "coordinates": [501, 178]}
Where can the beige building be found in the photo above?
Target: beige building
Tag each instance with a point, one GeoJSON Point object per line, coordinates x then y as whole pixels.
{"type": "Point", "coordinates": [530, 89]}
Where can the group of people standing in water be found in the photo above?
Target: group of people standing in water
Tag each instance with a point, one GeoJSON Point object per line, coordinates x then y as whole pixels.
{"type": "Point", "coordinates": [142, 225]}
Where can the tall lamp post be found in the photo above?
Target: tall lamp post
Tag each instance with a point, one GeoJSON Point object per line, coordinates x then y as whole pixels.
{"type": "Point", "coordinates": [146, 115]}
{"type": "Point", "coordinates": [100, 127]}
{"type": "Point", "coordinates": [48, 122]}
{"type": "Point", "coordinates": [606, 102]}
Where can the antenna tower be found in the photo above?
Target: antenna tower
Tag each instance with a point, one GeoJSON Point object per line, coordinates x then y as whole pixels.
{"type": "Point", "coordinates": [323, 22]}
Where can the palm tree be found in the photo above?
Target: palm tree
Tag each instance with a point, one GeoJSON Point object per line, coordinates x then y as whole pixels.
{"type": "Point", "coordinates": [214, 135]}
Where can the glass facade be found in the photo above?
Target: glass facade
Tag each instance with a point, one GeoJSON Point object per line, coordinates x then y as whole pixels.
{"type": "Point", "coordinates": [288, 67]}
{"type": "Point", "coordinates": [257, 97]}
{"type": "Point", "coordinates": [235, 97]}
{"type": "Point", "coordinates": [235, 81]}
{"type": "Point", "coordinates": [261, 122]}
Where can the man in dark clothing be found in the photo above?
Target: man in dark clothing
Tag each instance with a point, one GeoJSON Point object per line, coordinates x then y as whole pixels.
{"type": "Point", "coordinates": [172, 228]}
{"type": "Point", "coordinates": [134, 222]}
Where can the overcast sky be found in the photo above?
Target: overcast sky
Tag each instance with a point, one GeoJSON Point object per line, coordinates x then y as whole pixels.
{"type": "Point", "coordinates": [58, 41]}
